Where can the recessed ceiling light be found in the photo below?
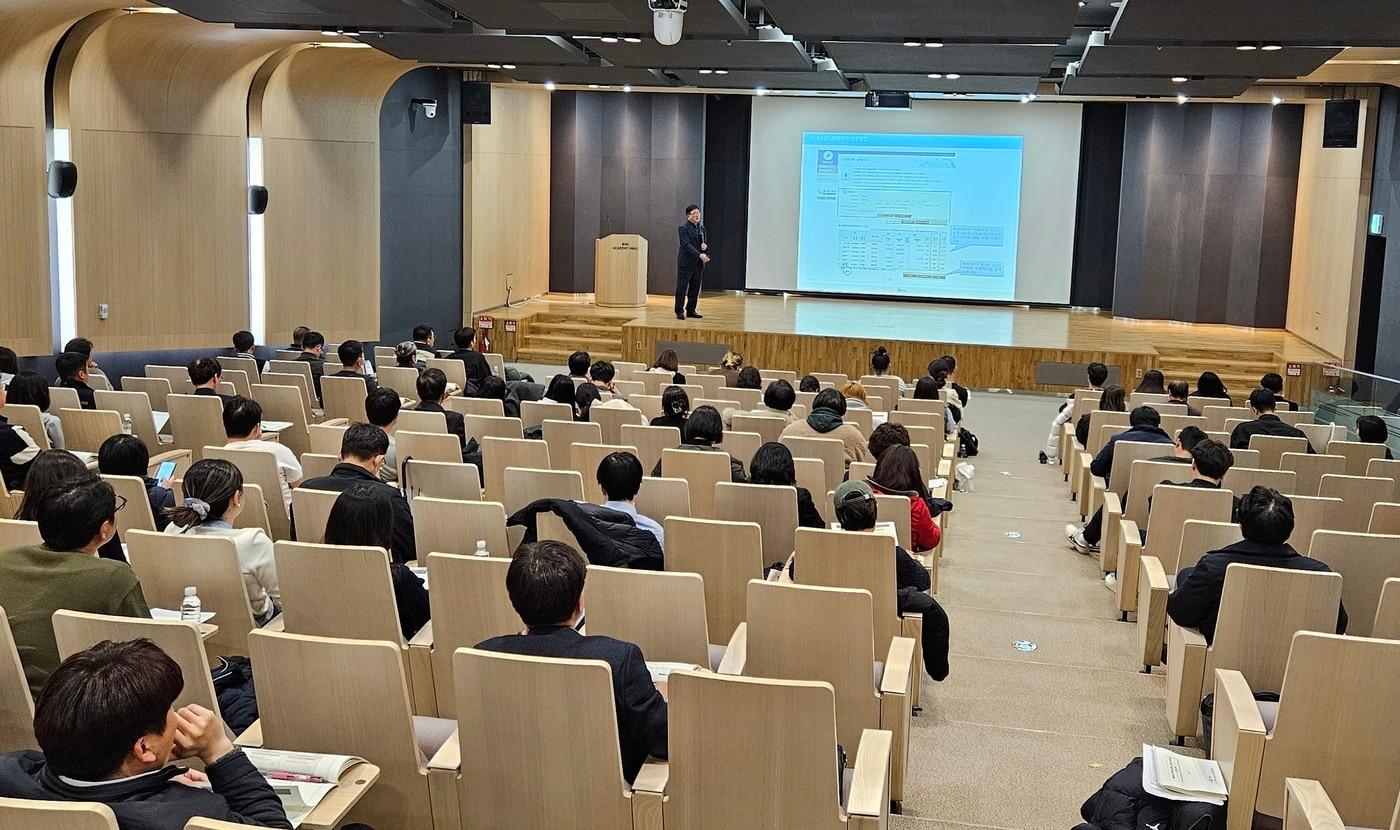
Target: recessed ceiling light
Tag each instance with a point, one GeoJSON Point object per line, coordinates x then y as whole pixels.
{"type": "Point", "coordinates": [493, 66]}
{"type": "Point", "coordinates": [326, 32]}
{"type": "Point", "coordinates": [911, 43]}
{"type": "Point", "coordinates": [937, 76]}
{"type": "Point", "coordinates": [1180, 79]}
{"type": "Point", "coordinates": [592, 86]}
{"type": "Point", "coordinates": [626, 87]}
{"type": "Point", "coordinates": [1272, 47]}
{"type": "Point", "coordinates": [632, 39]}
{"type": "Point", "coordinates": [1181, 99]}
{"type": "Point", "coordinates": [1247, 47]}
{"type": "Point", "coordinates": [952, 76]}
{"type": "Point", "coordinates": [1082, 4]}
{"type": "Point", "coordinates": [549, 85]}
{"type": "Point", "coordinates": [609, 38]}
{"type": "Point", "coordinates": [706, 71]}
{"type": "Point", "coordinates": [721, 71]}
{"type": "Point", "coordinates": [507, 66]}
{"type": "Point", "coordinates": [934, 44]}
{"type": "Point", "coordinates": [760, 92]}
{"type": "Point", "coordinates": [1277, 100]}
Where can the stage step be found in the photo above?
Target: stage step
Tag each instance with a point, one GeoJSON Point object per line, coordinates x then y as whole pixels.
{"type": "Point", "coordinates": [1239, 368]}
{"type": "Point", "coordinates": [554, 357]}
{"type": "Point", "coordinates": [550, 337]}
{"type": "Point", "coordinates": [567, 343]}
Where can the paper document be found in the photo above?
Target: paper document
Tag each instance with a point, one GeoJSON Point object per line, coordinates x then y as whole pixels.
{"type": "Point", "coordinates": [661, 670]}
{"type": "Point", "coordinates": [275, 426]}
{"type": "Point", "coordinates": [881, 528]}
{"type": "Point", "coordinates": [299, 799]}
{"type": "Point", "coordinates": [1168, 775]}
{"type": "Point", "coordinates": [169, 614]}
{"type": "Point", "coordinates": [421, 573]}
{"type": "Point", "coordinates": [302, 780]}
{"type": "Point", "coordinates": [161, 419]}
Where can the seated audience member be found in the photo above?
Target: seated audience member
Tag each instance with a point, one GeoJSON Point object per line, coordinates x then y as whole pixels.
{"type": "Point", "coordinates": [424, 343]}
{"type": "Point", "coordinates": [897, 474]}
{"type": "Point", "coordinates": [855, 396]}
{"type": "Point", "coordinates": [363, 516]}
{"type": "Point", "coordinates": [299, 337]}
{"type": "Point", "coordinates": [1178, 391]}
{"type": "Point", "coordinates": [76, 517]}
{"type": "Point", "coordinates": [809, 383]}
{"type": "Point", "coordinates": [545, 582]}
{"type": "Point", "coordinates": [1153, 383]}
{"type": "Point", "coordinates": [952, 366]}
{"type": "Point", "coordinates": [675, 407]}
{"type": "Point", "coordinates": [1098, 374]}
{"type": "Point", "coordinates": [243, 344]}
{"type": "Point", "coordinates": [1113, 399]}
{"type": "Point", "coordinates": [778, 400]}
{"type": "Point", "coordinates": [477, 367]}
{"type": "Point", "coordinates": [601, 375]}
{"type": "Point", "coordinates": [362, 452]}
{"type": "Point", "coordinates": [729, 367]}
{"type": "Point", "coordinates": [243, 428]}
{"type": "Point", "coordinates": [856, 510]}
{"type": "Point", "coordinates": [18, 449]}
{"type": "Point", "coordinates": [704, 430]}
{"type": "Point", "coordinates": [9, 362]}
{"type": "Point", "coordinates": [578, 364]}
{"type": "Point", "coordinates": [773, 465]}
{"type": "Point", "coordinates": [1209, 385]}
{"type": "Point", "coordinates": [382, 410]}
{"type": "Point", "coordinates": [205, 375]}
{"type": "Point", "coordinates": [1144, 425]}
{"type": "Point", "coordinates": [668, 363]}
{"type": "Point", "coordinates": [585, 396]}
{"type": "Point", "coordinates": [887, 435]}
{"type": "Point", "coordinates": [83, 346]}
{"type": "Point", "coordinates": [562, 389]}
{"type": "Point", "coordinates": [1266, 522]}
{"type": "Point", "coordinates": [73, 373]}
{"type": "Point", "coordinates": [824, 421]}
{"type": "Point", "coordinates": [1371, 429]}
{"type": "Point", "coordinates": [406, 356]}
{"type": "Point", "coordinates": [50, 470]}
{"type": "Point", "coordinates": [748, 378]}
{"type": "Point", "coordinates": [1273, 382]}
{"type": "Point", "coordinates": [108, 732]}
{"type": "Point", "coordinates": [432, 387]}
{"type": "Point", "coordinates": [938, 377]}
{"type": "Point", "coordinates": [495, 389]}
{"type": "Point", "coordinates": [620, 477]}
{"type": "Point", "coordinates": [1086, 539]}
{"type": "Point", "coordinates": [214, 499]}
{"type": "Point", "coordinates": [126, 455]}
{"type": "Point", "coordinates": [607, 399]}
{"type": "Point", "coordinates": [313, 351]}
{"type": "Point", "coordinates": [1261, 402]}
{"type": "Point", "coordinates": [880, 368]}
{"type": "Point", "coordinates": [352, 363]}
{"type": "Point", "coordinates": [31, 389]}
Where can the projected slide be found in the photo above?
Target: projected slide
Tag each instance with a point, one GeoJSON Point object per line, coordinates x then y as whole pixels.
{"type": "Point", "coordinates": [910, 215]}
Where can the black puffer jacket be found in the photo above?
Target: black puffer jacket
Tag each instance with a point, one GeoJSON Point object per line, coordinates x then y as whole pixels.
{"type": "Point", "coordinates": [608, 537]}
{"type": "Point", "coordinates": [1122, 804]}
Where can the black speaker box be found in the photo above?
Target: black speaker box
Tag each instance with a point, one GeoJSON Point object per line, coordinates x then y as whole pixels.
{"type": "Point", "coordinates": [63, 179]}
{"type": "Point", "coordinates": [476, 102]}
{"type": "Point", "coordinates": [1342, 123]}
{"type": "Point", "coordinates": [257, 200]}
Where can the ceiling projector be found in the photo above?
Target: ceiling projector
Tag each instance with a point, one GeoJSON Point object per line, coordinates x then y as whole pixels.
{"type": "Point", "coordinates": [669, 18]}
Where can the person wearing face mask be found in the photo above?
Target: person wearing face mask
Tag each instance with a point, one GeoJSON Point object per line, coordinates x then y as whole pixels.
{"type": "Point", "coordinates": [362, 453]}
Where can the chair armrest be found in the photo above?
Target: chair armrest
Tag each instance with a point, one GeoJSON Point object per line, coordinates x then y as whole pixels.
{"type": "Point", "coordinates": [1111, 528]}
{"type": "Point", "coordinates": [1129, 559]}
{"type": "Point", "coordinates": [899, 667]}
{"type": "Point", "coordinates": [737, 652]}
{"type": "Point", "coordinates": [424, 637]}
{"type": "Point", "coordinates": [449, 755]}
{"type": "Point", "coordinates": [870, 785]}
{"type": "Point", "coordinates": [1237, 742]}
{"type": "Point", "coordinates": [252, 736]}
{"type": "Point", "coordinates": [336, 422]}
{"type": "Point", "coordinates": [1307, 807]}
{"type": "Point", "coordinates": [652, 778]}
{"type": "Point", "coordinates": [1186, 667]}
{"type": "Point", "coordinates": [277, 623]}
{"type": "Point", "coordinates": [1151, 610]}
{"type": "Point", "coordinates": [1092, 496]}
{"type": "Point", "coordinates": [1079, 473]}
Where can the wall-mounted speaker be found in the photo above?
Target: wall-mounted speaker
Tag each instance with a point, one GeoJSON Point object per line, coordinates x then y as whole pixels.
{"type": "Point", "coordinates": [257, 200]}
{"type": "Point", "coordinates": [63, 179]}
{"type": "Point", "coordinates": [1341, 125]}
{"type": "Point", "coordinates": [476, 102]}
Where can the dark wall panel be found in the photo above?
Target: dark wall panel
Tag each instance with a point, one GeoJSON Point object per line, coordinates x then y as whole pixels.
{"type": "Point", "coordinates": [728, 124]}
{"type": "Point", "coordinates": [1205, 224]}
{"type": "Point", "coordinates": [621, 164]}
{"type": "Point", "coordinates": [1385, 200]}
{"type": "Point", "coordinates": [1096, 220]}
{"type": "Point", "coordinates": [420, 195]}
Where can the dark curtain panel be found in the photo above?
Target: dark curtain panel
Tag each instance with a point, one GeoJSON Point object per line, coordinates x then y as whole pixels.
{"type": "Point", "coordinates": [1096, 219]}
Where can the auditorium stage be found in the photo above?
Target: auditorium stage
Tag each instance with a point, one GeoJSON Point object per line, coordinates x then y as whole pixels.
{"type": "Point", "coordinates": [996, 346]}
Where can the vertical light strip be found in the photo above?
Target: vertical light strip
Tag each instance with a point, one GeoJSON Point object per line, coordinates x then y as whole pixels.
{"type": "Point", "coordinates": [257, 261]}
{"type": "Point", "coordinates": [65, 253]}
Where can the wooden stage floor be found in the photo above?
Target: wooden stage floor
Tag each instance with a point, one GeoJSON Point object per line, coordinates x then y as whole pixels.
{"type": "Point", "coordinates": [997, 346]}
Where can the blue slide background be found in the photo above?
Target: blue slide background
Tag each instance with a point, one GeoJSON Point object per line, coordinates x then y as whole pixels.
{"type": "Point", "coordinates": [910, 215]}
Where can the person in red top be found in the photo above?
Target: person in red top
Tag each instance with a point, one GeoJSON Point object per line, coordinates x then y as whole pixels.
{"type": "Point", "coordinates": [897, 474]}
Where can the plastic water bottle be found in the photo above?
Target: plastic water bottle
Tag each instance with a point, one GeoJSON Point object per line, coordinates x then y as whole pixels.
{"type": "Point", "coordinates": [126, 423]}
{"type": "Point", "coordinates": [481, 548]}
{"type": "Point", "coordinates": [190, 607]}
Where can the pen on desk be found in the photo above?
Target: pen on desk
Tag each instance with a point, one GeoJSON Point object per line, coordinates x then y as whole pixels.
{"type": "Point", "coordinates": [297, 777]}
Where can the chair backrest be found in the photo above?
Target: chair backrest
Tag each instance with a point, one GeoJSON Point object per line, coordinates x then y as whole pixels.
{"type": "Point", "coordinates": [401, 379]}
{"type": "Point", "coordinates": [411, 420]}
{"type": "Point", "coordinates": [137, 405]}
{"type": "Point", "coordinates": [16, 704]}
{"type": "Point", "coordinates": [1199, 537]}
{"type": "Point", "coordinates": [246, 365]}
{"type": "Point", "coordinates": [156, 389]}
{"type": "Point", "coordinates": [661, 498]}
{"type": "Point", "coordinates": [534, 413]}
{"type": "Point", "coordinates": [454, 526]}
{"type": "Point", "coordinates": [300, 368]}
{"type": "Point", "coordinates": [177, 376]}
{"type": "Point", "coordinates": [302, 703]}
{"type": "Point", "coordinates": [650, 442]}
{"type": "Point", "coordinates": [1243, 479]}
{"type": "Point", "coordinates": [584, 459]}
{"type": "Point", "coordinates": [749, 752]}
{"type": "Point", "coordinates": [327, 438]}
{"type": "Point", "coordinates": [526, 484]}
{"type": "Point", "coordinates": [499, 453]}
{"type": "Point", "coordinates": [611, 419]}
{"type": "Point", "coordinates": [895, 510]}
{"type": "Point", "coordinates": [440, 480]}
{"type": "Point", "coordinates": [61, 397]}
{"type": "Point", "coordinates": [1272, 447]}
{"type": "Point", "coordinates": [167, 563]}
{"type": "Point", "coordinates": [239, 380]}
{"type": "Point", "coordinates": [1217, 415]}
{"type": "Point", "coordinates": [1172, 506]}
{"type": "Point", "coordinates": [1387, 623]}
{"type": "Point", "coordinates": [1099, 438]}
{"type": "Point", "coordinates": [486, 407]}
{"type": "Point", "coordinates": [720, 404]}
{"type": "Point", "coordinates": [316, 465]}
{"type": "Point", "coordinates": [648, 405]}
{"type": "Point", "coordinates": [312, 508]}
{"type": "Point", "coordinates": [1359, 495]}
{"type": "Point", "coordinates": [260, 467]}
{"type": "Point", "coordinates": [1381, 468]}
{"type": "Point", "coordinates": [425, 446]}
{"type": "Point", "coordinates": [741, 445]}
{"type": "Point", "coordinates": [1100, 418]}
{"type": "Point", "coordinates": [561, 435]}
{"type": "Point", "coordinates": [1174, 424]}
{"type": "Point", "coordinates": [933, 420]}
{"type": "Point", "coordinates": [1385, 518]}
{"type": "Point", "coordinates": [1337, 722]}
{"type": "Point", "coordinates": [469, 604]}
{"type": "Point", "coordinates": [663, 612]}
{"type": "Point", "coordinates": [30, 417]}
{"type": "Point", "coordinates": [1144, 476]}
{"type": "Point", "coordinates": [864, 419]}
{"type": "Point", "coordinates": [1358, 455]}
{"type": "Point", "coordinates": [767, 427]}
{"type": "Point", "coordinates": [16, 533]}
{"type": "Point", "coordinates": [746, 398]}
{"type": "Point", "coordinates": [915, 405]}
{"type": "Point", "coordinates": [886, 387]}
{"type": "Point", "coordinates": [137, 515]}
{"type": "Point", "coordinates": [726, 555]}
{"type": "Point", "coordinates": [84, 430]}
{"type": "Point", "coordinates": [55, 815]}
{"type": "Point", "coordinates": [196, 422]}
{"type": "Point", "coordinates": [702, 470]}
{"type": "Point", "coordinates": [1151, 399]}
{"type": "Point", "coordinates": [865, 561]}
{"type": "Point", "coordinates": [1320, 435]}
{"type": "Point", "coordinates": [301, 383]}
{"type": "Point", "coordinates": [337, 591]}
{"type": "Point", "coordinates": [830, 451]}
{"type": "Point", "coordinates": [1232, 423]}
{"type": "Point", "coordinates": [1124, 454]}
{"type": "Point", "coordinates": [284, 403]}
{"type": "Point", "coordinates": [1312, 513]}
{"type": "Point", "coordinates": [1310, 468]}
{"type": "Point", "coordinates": [455, 370]}
{"type": "Point", "coordinates": [483, 426]}
{"type": "Point", "coordinates": [1365, 562]}
{"type": "Point", "coordinates": [344, 397]}
{"type": "Point", "coordinates": [553, 717]}
{"type": "Point", "coordinates": [772, 508]}
{"type": "Point", "coordinates": [1260, 610]}
{"type": "Point", "coordinates": [860, 469]}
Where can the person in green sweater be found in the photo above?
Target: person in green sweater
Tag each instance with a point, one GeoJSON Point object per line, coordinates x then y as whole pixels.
{"type": "Point", "coordinates": [65, 573]}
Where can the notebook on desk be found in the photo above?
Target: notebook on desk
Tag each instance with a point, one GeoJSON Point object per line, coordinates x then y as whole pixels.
{"type": "Point", "coordinates": [302, 780]}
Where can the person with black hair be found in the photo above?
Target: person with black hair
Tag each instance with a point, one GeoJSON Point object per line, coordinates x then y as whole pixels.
{"type": "Point", "coordinates": [778, 400]}
{"type": "Point", "coordinates": [1144, 426]}
{"type": "Point", "coordinates": [601, 375]}
{"type": "Point", "coordinates": [931, 388]}
{"type": "Point", "coordinates": [691, 258]}
{"type": "Point", "coordinates": [362, 451]}
{"type": "Point", "coordinates": [748, 378]}
{"type": "Point", "coordinates": [1262, 403]}
{"type": "Point", "coordinates": [1153, 383]}
{"type": "Point", "coordinates": [620, 478]}
{"type": "Point", "coordinates": [382, 410]}
{"type": "Point", "coordinates": [809, 383]}
{"type": "Point", "coordinates": [477, 367]}
{"type": "Point", "coordinates": [1178, 391]}
{"type": "Point", "coordinates": [363, 516]}
{"type": "Point", "coordinates": [244, 344]}
{"type": "Point", "coordinates": [18, 449]}
{"type": "Point", "coordinates": [352, 363]}
{"type": "Point", "coordinates": [1209, 385]}
{"type": "Point", "coordinates": [1371, 429]}
{"type": "Point", "coordinates": [206, 373]}
{"type": "Point", "coordinates": [675, 408]}
{"type": "Point", "coordinates": [880, 368]}
{"type": "Point", "coordinates": [30, 389]}
{"type": "Point", "coordinates": [773, 465]}
{"type": "Point", "coordinates": [824, 421]}
{"type": "Point", "coordinates": [545, 583]}
{"type": "Point", "coordinates": [585, 396]}
{"type": "Point", "coordinates": [108, 732]}
{"type": "Point", "coordinates": [313, 351]}
{"type": "Point", "coordinates": [1266, 522]}
{"type": "Point", "coordinates": [432, 388]}
{"type": "Point", "coordinates": [424, 343]}
{"type": "Point", "coordinates": [127, 455]}
{"type": "Point", "coordinates": [897, 473]}
{"type": "Point", "coordinates": [1050, 454]}
{"type": "Point", "coordinates": [856, 511]}
{"type": "Point", "coordinates": [704, 430]}
{"type": "Point", "coordinates": [1273, 382]}
{"type": "Point", "coordinates": [1113, 399]}
{"type": "Point", "coordinates": [243, 428]}
{"type": "Point", "coordinates": [72, 368]}
{"type": "Point", "coordinates": [299, 337]}
{"type": "Point", "coordinates": [9, 363]}
{"type": "Point", "coordinates": [578, 364]}
{"type": "Point", "coordinates": [49, 471]}
{"type": "Point", "coordinates": [886, 435]}
{"type": "Point", "coordinates": [82, 346]}
{"type": "Point", "coordinates": [77, 515]}
{"type": "Point", "coordinates": [214, 499]}
{"type": "Point", "coordinates": [952, 364]}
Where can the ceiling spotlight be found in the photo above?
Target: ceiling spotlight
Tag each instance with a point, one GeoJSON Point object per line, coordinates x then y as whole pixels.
{"type": "Point", "coordinates": [911, 43]}
{"type": "Point", "coordinates": [632, 39]}
{"type": "Point", "coordinates": [1025, 99]}
{"type": "Point", "coordinates": [326, 32]}
{"type": "Point", "coordinates": [1082, 4]}
{"type": "Point", "coordinates": [493, 66]}
{"type": "Point", "coordinates": [706, 71]}
{"type": "Point", "coordinates": [1246, 47]}
{"type": "Point", "coordinates": [1181, 99]}
{"type": "Point", "coordinates": [952, 76]}
{"type": "Point", "coordinates": [934, 44]}
{"type": "Point", "coordinates": [608, 38]}
{"type": "Point", "coordinates": [721, 71]}
{"type": "Point", "coordinates": [1180, 79]}
{"type": "Point", "coordinates": [760, 92]}
{"type": "Point", "coordinates": [507, 66]}
{"type": "Point", "coordinates": [626, 87]}
{"type": "Point", "coordinates": [592, 86]}
{"type": "Point", "coordinates": [1276, 100]}
{"type": "Point", "coordinates": [1032, 96]}
{"type": "Point", "coordinates": [937, 76]}
{"type": "Point", "coordinates": [549, 85]}
{"type": "Point", "coordinates": [1272, 47]}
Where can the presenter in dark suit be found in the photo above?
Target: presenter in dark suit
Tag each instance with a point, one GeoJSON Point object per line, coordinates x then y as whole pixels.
{"type": "Point", "coordinates": [690, 264]}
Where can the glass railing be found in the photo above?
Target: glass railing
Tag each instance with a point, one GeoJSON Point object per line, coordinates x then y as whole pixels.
{"type": "Point", "coordinates": [1340, 396]}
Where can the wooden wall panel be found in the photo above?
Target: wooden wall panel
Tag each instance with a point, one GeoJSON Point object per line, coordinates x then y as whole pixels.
{"type": "Point", "coordinates": [507, 195]}
{"type": "Point", "coordinates": [318, 111]}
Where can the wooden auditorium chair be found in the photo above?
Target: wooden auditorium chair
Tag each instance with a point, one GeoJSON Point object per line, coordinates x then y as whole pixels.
{"type": "Point", "coordinates": [284, 403]}
{"type": "Point", "coordinates": [482, 426]}
{"type": "Point", "coordinates": [1157, 579]}
{"type": "Point", "coordinates": [440, 480]}
{"type": "Point", "coordinates": [488, 407]}
{"type": "Point", "coordinates": [1307, 807]}
{"type": "Point", "coordinates": [585, 459]}
{"type": "Point", "coordinates": [469, 604]}
{"type": "Point", "coordinates": [774, 509]}
{"type": "Point", "coordinates": [1383, 468]}
{"type": "Point", "coordinates": [344, 398]}
{"type": "Point", "coordinates": [560, 436]}
{"type": "Point", "coordinates": [20, 814]}
{"type": "Point", "coordinates": [178, 378]}
{"type": "Point", "coordinates": [831, 452]}
{"type": "Point", "coordinates": [661, 498]}
{"type": "Point", "coordinates": [301, 382]}
{"type": "Point", "coordinates": [1141, 478]}
{"type": "Point", "coordinates": [1272, 448]}
{"type": "Point", "coordinates": [1358, 455]}
{"type": "Point", "coordinates": [767, 427]}
{"type": "Point", "coordinates": [526, 484]}
{"type": "Point", "coordinates": [1320, 435]}
{"type": "Point", "coordinates": [16, 704]}
{"type": "Point", "coordinates": [260, 467]}
{"type": "Point", "coordinates": [424, 446]}
{"type": "Point", "coordinates": [155, 388]}
{"type": "Point", "coordinates": [455, 526]}
{"type": "Point", "coordinates": [1385, 518]}
{"type": "Point", "coordinates": [662, 612]}
{"type": "Point", "coordinates": [497, 454]}
{"type": "Point", "coordinates": [84, 430]}
{"type": "Point", "coordinates": [1310, 468]}
{"type": "Point", "coordinates": [1243, 479]}
{"type": "Point", "coordinates": [1359, 496]}
{"type": "Point", "coordinates": [196, 422]}
{"type": "Point", "coordinates": [411, 420]}
{"type": "Point", "coordinates": [137, 405]}
{"type": "Point", "coordinates": [726, 555]}
{"type": "Point", "coordinates": [702, 470]}
{"type": "Point", "coordinates": [1119, 475]}
{"type": "Point", "coordinates": [1387, 623]}
{"type": "Point", "coordinates": [1365, 562]}
{"type": "Point", "coordinates": [18, 533]}
{"type": "Point", "coordinates": [1172, 505]}
{"type": "Point", "coordinates": [741, 445]}
{"type": "Point", "coordinates": [535, 413]}
{"type": "Point", "coordinates": [327, 437]}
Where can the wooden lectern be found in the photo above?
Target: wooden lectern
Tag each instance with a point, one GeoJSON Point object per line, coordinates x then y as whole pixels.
{"type": "Point", "coordinates": [620, 271]}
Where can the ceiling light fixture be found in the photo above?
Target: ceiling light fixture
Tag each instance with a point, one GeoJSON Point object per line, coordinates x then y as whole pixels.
{"type": "Point", "coordinates": [1276, 100]}
{"type": "Point", "coordinates": [1272, 47]}
{"type": "Point", "coordinates": [721, 71]}
{"type": "Point", "coordinates": [1180, 79]}
{"type": "Point", "coordinates": [760, 92]}
{"type": "Point", "coordinates": [911, 43]}
{"type": "Point", "coordinates": [592, 86]}
{"type": "Point", "coordinates": [706, 71]}
{"type": "Point", "coordinates": [1181, 99]}
{"type": "Point", "coordinates": [493, 66]}
{"type": "Point", "coordinates": [626, 87]}
{"type": "Point", "coordinates": [507, 66]}
{"type": "Point", "coordinates": [937, 76]}
{"type": "Point", "coordinates": [952, 76]}
{"type": "Point", "coordinates": [632, 39]}
{"type": "Point", "coordinates": [1246, 47]}
{"type": "Point", "coordinates": [934, 44]}
{"type": "Point", "coordinates": [549, 85]}
{"type": "Point", "coordinates": [609, 38]}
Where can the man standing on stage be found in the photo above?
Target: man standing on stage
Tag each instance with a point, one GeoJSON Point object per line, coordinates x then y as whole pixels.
{"type": "Point", "coordinates": [690, 264]}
